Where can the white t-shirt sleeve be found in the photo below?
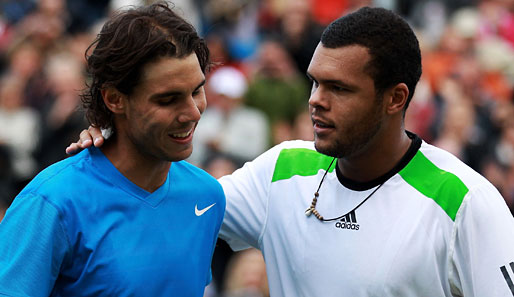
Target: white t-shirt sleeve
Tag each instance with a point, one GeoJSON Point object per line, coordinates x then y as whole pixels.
{"type": "Point", "coordinates": [483, 258]}
{"type": "Point", "coordinates": [247, 196]}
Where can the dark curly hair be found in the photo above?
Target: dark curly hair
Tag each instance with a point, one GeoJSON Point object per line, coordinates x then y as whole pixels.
{"type": "Point", "coordinates": [392, 45]}
{"type": "Point", "coordinates": [129, 40]}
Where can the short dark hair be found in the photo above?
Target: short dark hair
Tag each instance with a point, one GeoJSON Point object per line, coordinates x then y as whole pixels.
{"type": "Point", "coordinates": [392, 45]}
{"type": "Point", "coordinates": [129, 40]}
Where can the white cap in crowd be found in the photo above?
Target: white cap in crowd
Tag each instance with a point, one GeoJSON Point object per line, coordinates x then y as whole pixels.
{"type": "Point", "coordinates": [228, 81]}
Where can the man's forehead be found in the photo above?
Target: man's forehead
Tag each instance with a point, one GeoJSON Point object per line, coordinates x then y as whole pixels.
{"type": "Point", "coordinates": [172, 66]}
{"type": "Point", "coordinates": [171, 75]}
{"type": "Point", "coordinates": [353, 56]}
{"type": "Point", "coordinates": [343, 65]}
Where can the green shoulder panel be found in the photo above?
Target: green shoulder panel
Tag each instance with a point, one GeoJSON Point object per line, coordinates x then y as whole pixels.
{"type": "Point", "coordinates": [445, 188]}
{"type": "Point", "coordinates": [300, 161]}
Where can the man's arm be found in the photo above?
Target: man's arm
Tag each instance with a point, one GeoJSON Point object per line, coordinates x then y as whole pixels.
{"type": "Point", "coordinates": [33, 247]}
{"type": "Point", "coordinates": [88, 137]}
{"type": "Point", "coordinates": [247, 193]}
{"type": "Point", "coordinates": [482, 263]}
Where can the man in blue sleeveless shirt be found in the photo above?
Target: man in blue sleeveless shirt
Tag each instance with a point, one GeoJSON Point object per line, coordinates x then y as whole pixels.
{"type": "Point", "coordinates": [131, 218]}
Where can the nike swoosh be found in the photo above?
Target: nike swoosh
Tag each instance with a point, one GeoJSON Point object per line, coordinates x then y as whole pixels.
{"type": "Point", "coordinates": [202, 211]}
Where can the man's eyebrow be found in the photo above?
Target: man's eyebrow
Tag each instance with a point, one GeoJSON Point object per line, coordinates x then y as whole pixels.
{"type": "Point", "coordinates": [330, 81]}
{"type": "Point", "coordinates": [174, 93]}
{"type": "Point", "coordinates": [200, 84]}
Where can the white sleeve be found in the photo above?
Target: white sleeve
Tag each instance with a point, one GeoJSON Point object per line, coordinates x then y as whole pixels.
{"type": "Point", "coordinates": [483, 257]}
{"type": "Point", "coordinates": [247, 191]}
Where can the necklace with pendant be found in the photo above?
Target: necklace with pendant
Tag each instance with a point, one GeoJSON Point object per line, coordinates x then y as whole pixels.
{"type": "Point", "coordinates": [312, 209]}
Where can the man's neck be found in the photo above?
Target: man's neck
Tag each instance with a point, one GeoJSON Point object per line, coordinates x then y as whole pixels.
{"type": "Point", "coordinates": [148, 174]}
{"type": "Point", "coordinates": [377, 160]}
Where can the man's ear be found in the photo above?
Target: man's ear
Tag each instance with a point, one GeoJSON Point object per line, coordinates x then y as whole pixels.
{"type": "Point", "coordinates": [114, 100]}
{"type": "Point", "coordinates": [396, 98]}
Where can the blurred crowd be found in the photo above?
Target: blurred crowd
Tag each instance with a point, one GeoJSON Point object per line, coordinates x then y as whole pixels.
{"type": "Point", "coordinates": [257, 89]}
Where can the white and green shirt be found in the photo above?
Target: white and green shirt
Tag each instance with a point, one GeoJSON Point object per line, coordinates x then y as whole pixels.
{"type": "Point", "coordinates": [434, 228]}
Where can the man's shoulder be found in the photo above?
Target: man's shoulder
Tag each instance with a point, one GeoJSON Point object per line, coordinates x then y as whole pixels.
{"type": "Point", "coordinates": [444, 161]}
{"type": "Point", "coordinates": [301, 144]}
{"type": "Point", "coordinates": [198, 183]}
{"type": "Point", "coordinates": [192, 174]}
{"type": "Point", "coordinates": [440, 175]}
{"type": "Point", "coordinates": [185, 167]}
{"type": "Point", "coordinates": [298, 157]}
{"type": "Point", "coordinates": [290, 149]}
{"type": "Point", "coordinates": [299, 148]}
{"type": "Point", "coordinates": [60, 177]}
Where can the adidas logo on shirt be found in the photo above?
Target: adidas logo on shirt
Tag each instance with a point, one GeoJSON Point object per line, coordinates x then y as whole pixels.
{"type": "Point", "coordinates": [348, 222]}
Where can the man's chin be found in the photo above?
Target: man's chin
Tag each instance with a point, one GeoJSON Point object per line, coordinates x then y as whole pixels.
{"type": "Point", "coordinates": [179, 156]}
{"type": "Point", "coordinates": [324, 149]}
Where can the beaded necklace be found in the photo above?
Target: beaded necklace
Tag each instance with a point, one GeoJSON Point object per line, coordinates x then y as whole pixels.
{"type": "Point", "coordinates": [312, 208]}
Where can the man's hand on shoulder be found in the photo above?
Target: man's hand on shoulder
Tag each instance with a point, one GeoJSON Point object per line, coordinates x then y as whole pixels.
{"type": "Point", "coordinates": [91, 136]}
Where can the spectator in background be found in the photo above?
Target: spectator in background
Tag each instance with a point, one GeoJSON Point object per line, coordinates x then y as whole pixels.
{"type": "Point", "coordinates": [496, 19]}
{"type": "Point", "coordinates": [15, 10]}
{"type": "Point", "coordinates": [218, 165]}
{"type": "Point", "coordinates": [19, 129]}
{"type": "Point", "coordinates": [6, 194]}
{"type": "Point", "coordinates": [45, 25]}
{"type": "Point", "coordinates": [278, 89]}
{"type": "Point", "coordinates": [3, 205]}
{"type": "Point", "coordinates": [25, 60]}
{"type": "Point", "coordinates": [83, 14]}
{"type": "Point", "coordinates": [7, 186]}
{"type": "Point", "coordinates": [458, 76]}
{"type": "Point", "coordinates": [229, 127]}
{"type": "Point", "coordinates": [4, 200]}
{"type": "Point", "coordinates": [236, 22]}
{"type": "Point", "coordinates": [325, 11]}
{"type": "Point", "coordinates": [246, 275]}
{"type": "Point", "coordinates": [6, 174]}
{"type": "Point", "coordinates": [61, 117]}
{"type": "Point", "coordinates": [470, 74]}
{"type": "Point", "coordinates": [456, 129]}
{"type": "Point", "coordinates": [498, 166]}
{"type": "Point", "coordinates": [299, 32]}
{"type": "Point", "coordinates": [302, 127]}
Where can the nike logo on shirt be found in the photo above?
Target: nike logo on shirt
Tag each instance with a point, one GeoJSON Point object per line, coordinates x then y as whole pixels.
{"type": "Point", "coordinates": [202, 211]}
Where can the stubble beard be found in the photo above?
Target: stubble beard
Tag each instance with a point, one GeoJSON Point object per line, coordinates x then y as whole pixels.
{"type": "Point", "coordinates": [152, 147]}
{"type": "Point", "coordinates": [354, 140]}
